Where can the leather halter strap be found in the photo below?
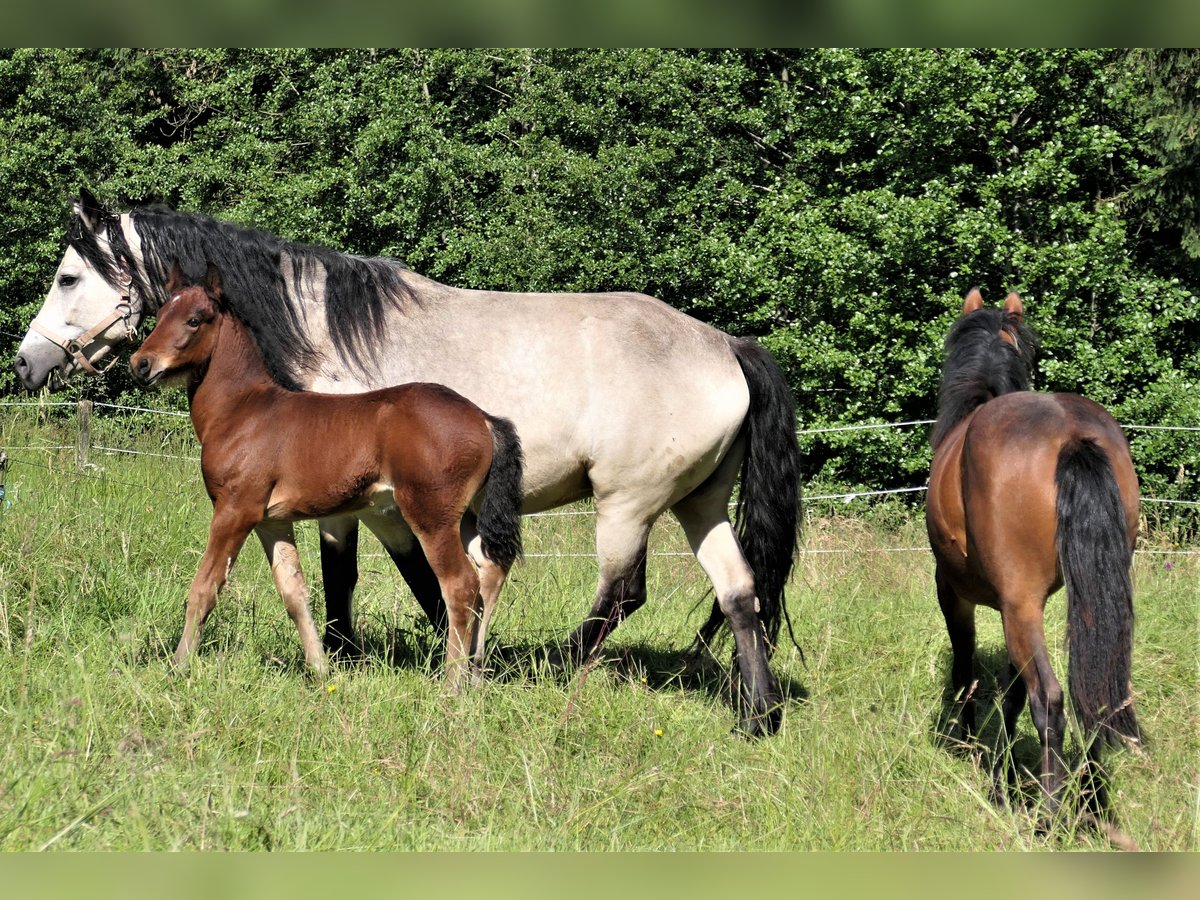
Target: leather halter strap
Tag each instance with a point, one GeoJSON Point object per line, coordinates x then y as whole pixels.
{"type": "Point", "coordinates": [76, 347]}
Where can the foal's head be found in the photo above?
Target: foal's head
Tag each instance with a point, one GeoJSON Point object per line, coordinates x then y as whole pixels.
{"type": "Point", "coordinates": [186, 331]}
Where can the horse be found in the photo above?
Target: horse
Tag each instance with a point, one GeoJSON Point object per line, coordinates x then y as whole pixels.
{"type": "Point", "coordinates": [1028, 491]}
{"type": "Point", "coordinates": [418, 453]}
{"type": "Point", "coordinates": [616, 396]}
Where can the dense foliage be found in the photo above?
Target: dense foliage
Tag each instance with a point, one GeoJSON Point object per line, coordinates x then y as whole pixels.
{"type": "Point", "coordinates": [836, 203]}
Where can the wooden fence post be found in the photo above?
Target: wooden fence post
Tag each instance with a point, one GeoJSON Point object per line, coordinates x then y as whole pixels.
{"type": "Point", "coordinates": [85, 431]}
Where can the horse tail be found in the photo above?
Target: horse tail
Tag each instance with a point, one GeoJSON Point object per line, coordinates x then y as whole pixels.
{"type": "Point", "coordinates": [499, 522]}
{"type": "Point", "coordinates": [768, 505]}
{"type": "Point", "coordinates": [1095, 554]}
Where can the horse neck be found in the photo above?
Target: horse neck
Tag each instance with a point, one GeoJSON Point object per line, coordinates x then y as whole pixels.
{"type": "Point", "coordinates": [233, 375]}
{"type": "Point", "coordinates": [960, 396]}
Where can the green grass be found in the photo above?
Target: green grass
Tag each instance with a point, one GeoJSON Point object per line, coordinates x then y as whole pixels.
{"type": "Point", "coordinates": [102, 749]}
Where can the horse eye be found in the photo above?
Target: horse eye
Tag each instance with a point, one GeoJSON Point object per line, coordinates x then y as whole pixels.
{"type": "Point", "coordinates": [193, 322]}
{"type": "Point", "coordinates": [67, 280]}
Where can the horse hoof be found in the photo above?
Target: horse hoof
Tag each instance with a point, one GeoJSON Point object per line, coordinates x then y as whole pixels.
{"type": "Point", "coordinates": [561, 661]}
{"type": "Point", "coordinates": [342, 649]}
{"type": "Point", "coordinates": [763, 724]}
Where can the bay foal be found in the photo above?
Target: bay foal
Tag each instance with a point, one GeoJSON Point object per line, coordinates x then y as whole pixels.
{"type": "Point", "coordinates": [419, 453]}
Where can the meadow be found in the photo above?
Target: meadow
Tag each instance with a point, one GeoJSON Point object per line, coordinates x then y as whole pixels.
{"type": "Point", "coordinates": [102, 748]}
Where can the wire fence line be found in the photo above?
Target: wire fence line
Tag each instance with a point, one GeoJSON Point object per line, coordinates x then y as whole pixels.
{"type": "Point", "coordinates": [831, 429]}
{"type": "Point", "coordinates": [804, 551]}
{"type": "Point", "coordinates": [845, 497]}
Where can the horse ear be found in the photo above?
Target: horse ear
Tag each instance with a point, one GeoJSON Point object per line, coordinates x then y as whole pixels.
{"type": "Point", "coordinates": [973, 301]}
{"type": "Point", "coordinates": [175, 279]}
{"type": "Point", "coordinates": [212, 280]}
{"type": "Point", "coordinates": [1013, 307]}
{"type": "Point", "coordinates": [88, 210]}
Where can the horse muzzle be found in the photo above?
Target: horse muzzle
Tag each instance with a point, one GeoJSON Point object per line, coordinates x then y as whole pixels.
{"type": "Point", "coordinates": [147, 370]}
{"type": "Point", "coordinates": [38, 367]}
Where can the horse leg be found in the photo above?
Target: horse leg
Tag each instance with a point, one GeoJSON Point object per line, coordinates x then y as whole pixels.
{"type": "Point", "coordinates": [228, 531]}
{"type": "Point", "coordinates": [405, 551]}
{"type": "Point", "coordinates": [491, 580]}
{"type": "Point", "coordinates": [706, 524]}
{"type": "Point", "coordinates": [1004, 772]}
{"type": "Point", "coordinates": [414, 568]}
{"type": "Point", "coordinates": [279, 543]}
{"type": "Point", "coordinates": [339, 572]}
{"type": "Point", "coordinates": [1023, 632]}
{"type": "Point", "coordinates": [621, 546]}
{"type": "Point", "coordinates": [960, 624]}
{"type": "Point", "coordinates": [460, 589]}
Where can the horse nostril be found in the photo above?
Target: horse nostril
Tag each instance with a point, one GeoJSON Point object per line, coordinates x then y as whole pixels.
{"type": "Point", "coordinates": [22, 366]}
{"type": "Point", "coordinates": [141, 368]}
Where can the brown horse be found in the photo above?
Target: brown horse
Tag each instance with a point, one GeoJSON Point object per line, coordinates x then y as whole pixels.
{"type": "Point", "coordinates": [270, 457]}
{"type": "Point", "coordinates": [1029, 491]}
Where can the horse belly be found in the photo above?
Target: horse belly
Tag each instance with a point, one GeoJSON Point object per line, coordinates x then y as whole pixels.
{"type": "Point", "coordinates": [292, 502]}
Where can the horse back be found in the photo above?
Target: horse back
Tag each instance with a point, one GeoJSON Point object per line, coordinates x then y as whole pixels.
{"type": "Point", "coordinates": [432, 441]}
{"type": "Point", "coordinates": [993, 493]}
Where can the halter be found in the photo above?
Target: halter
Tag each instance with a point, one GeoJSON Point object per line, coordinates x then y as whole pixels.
{"type": "Point", "coordinates": [75, 347]}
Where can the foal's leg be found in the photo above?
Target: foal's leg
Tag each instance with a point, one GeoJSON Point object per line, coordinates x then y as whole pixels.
{"type": "Point", "coordinates": [339, 572]}
{"type": "Point", "coordinates": [1023, 632]}
{"type": "Point", "coordinates": [960, 624]}
{"type": "Point", "coordinates": [226, 534]}
{"type": "Point", "coordinates": [491, 580]}
{"type": "Point", "coordinates": [705, 521]}
{"type": "Point", "coordinates": [460, 589]}
{"type": "Point", "coordinates": [279, 542]}
{"type": "Point", "coordinates": [621, 546]}
{"type": "Point", "coordinates": [401, 545]}
{"type": "Point", "coordinates": [415, 570]}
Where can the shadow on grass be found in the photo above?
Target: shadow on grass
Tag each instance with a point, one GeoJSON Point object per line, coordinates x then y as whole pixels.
{"type": "Point", "coordinates": [991, 663]}
{"type": "Point", "coordinates": [415, 646]}
{"type": "Point", "coordinates": [654, 667]}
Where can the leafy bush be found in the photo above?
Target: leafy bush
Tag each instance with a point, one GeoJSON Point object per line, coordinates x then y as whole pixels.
{"type": "Point", "coordinates": [837, 203]}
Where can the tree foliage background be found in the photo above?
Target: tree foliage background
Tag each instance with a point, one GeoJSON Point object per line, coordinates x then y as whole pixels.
{"type": "Point", "coordinates": [835, 203]}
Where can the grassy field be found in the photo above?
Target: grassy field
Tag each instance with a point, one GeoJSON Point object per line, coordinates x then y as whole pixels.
{"type": "Point", "coordinates": [101, 748]}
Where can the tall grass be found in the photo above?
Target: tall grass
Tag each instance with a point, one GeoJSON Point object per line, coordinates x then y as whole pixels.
{"type": "Point", "coordinates": [102, 748]}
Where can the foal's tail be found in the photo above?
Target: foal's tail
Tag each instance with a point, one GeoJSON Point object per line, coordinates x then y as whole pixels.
{"type": "Point", "coordinates": [1095, 553]}
{"type": "Point", "coordinates": [768, 506]}
{"type": "Point", "coordinates": [499, 522]}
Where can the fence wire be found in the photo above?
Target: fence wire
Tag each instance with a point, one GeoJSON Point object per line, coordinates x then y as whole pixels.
{"type": "Point", "coordinates": [845, 497]}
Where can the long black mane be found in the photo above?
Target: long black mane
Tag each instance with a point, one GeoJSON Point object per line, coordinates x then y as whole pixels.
{"type": "Point", "coordinates": [980, 365]}
{"type": "Point", "coordinates": [257, 270]}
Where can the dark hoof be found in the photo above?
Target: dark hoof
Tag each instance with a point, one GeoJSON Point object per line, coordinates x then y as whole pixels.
{"type": "Point", "coordinates": [763, 721]}
{"type": "Point", "coordinates": [761, 726]}
{"type": "Point", "coordinates": [563, 660]}
{"type": "Point", "coordinates": [341, 648]}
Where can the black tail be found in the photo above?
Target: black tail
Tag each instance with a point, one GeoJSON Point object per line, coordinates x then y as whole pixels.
{"type": "Point", "coordinates": [499, 520]}
{"type": "Point", "coordinates": [768, 506]}
{"type": "Point", "coordinates": [1095, 553]}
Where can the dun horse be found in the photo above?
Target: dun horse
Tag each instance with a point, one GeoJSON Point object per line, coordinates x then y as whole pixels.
{"type": "Point", "coordinates": [616, 396]}
{"type": "Point", "coordinates": [1029, 491]}
{"type": "Point", "coordinates": [271, 457]}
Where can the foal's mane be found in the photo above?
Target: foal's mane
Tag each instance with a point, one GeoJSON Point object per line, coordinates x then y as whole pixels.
{"type": "Point", "coordinates": [258, 269]}
{"type": "Point", "coordinates": [980, 365]}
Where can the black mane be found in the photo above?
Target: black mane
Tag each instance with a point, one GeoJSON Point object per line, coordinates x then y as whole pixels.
{"type": "Point", "coordinates": [112, 264]}
{"type": "Point", "coordinates": [358, 290]}
{"type": "Point", "coordinates": [980, 366]}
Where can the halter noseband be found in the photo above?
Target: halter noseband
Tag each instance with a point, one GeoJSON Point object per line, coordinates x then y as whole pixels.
{"type": "Point", "coordinates": [75, 347]}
